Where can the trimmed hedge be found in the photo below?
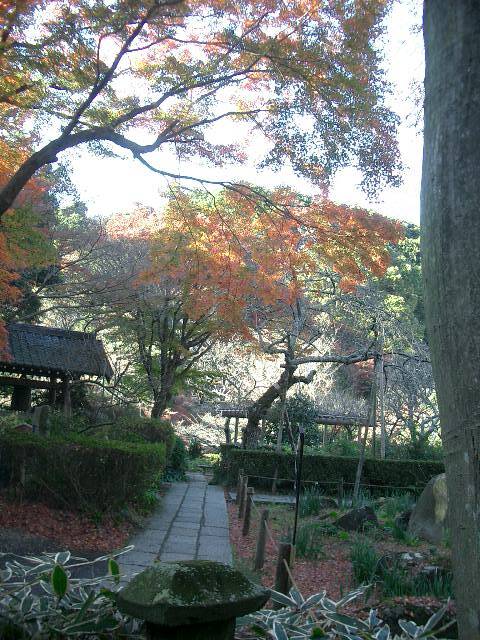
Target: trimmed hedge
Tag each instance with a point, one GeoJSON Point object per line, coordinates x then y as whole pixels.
{"type": "Point", "coordinates": [413, 474]}
{"type": "Point", "coordinates": [79, 472]}
{"type": "Point", "coordinates": [139, 429]}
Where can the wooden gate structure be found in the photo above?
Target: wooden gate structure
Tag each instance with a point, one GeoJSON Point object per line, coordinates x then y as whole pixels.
{"type": "Point", "coordinates": [321, 418]}
{"type": "Point", "coordinates": [39, 357]}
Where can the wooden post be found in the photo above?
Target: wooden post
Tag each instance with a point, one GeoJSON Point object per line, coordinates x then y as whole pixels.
{"type": "Point", "coordinates": [282, 579]}
{"type": "Point", "coordinates": [67, 402]}
{"type": "Point", "coordinates": [21, 398]}
{"type": "Point", "coordinates": [248, 511]}
{"type": "Point", "coordinates": [274, 482]}
{"type": "Point", "coordinates": [340, 492]}
{"type": "Point", "coordinates": [226, 428]}
{"type": "Point", "coordinates": [243, 495]}
{"type": "Point", "coordinates": [239, 486]}
{"type": "Point", "coordinates": [235, 435]}
{"type": "Point", "coordinates": [52, 392]}
{"type": "Point", "coordinates": [261, 541]}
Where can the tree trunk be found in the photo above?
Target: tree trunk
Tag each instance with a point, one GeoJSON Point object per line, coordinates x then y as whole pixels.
{"type": "Point", "coordinates": [451, 263]}
{"type": "Point", "coordinates": [160, 403]}
{"type": "Point", "coordinates": [260, 407]}
{"type": "Point", "coordinates": [381, 394]}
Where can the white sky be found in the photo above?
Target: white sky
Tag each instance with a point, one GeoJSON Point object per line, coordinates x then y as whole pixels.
{"type": "Point", "coordinates": [111, 185]}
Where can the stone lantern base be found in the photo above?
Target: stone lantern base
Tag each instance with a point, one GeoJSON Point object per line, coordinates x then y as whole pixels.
{"type": "Point", "coordinates": [219, 630]}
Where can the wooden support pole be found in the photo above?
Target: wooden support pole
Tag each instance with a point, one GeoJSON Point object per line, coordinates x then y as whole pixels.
{"type": "Point", "coordinates": [261, 541]}
{"type": "Point", "coordinates": [248, 511]}
{"type": "Point", "coordinates": [274, 481]}
{"type": "Point", "coordinates": [235, 434]}
{"type": "Point", "coordinates": [282, 579]}
{"type": "Point", "coordinates": [239, 487]}
{"type": "Point", "coordinates": [228, 437]}
{"type": "Point", "coordinates": [52, 393]}
{"type": "Point", "coordinates": [67, 403]}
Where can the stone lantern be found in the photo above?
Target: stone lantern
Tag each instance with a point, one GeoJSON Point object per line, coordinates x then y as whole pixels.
{"type": "Point", "coordinates": [194, 599]}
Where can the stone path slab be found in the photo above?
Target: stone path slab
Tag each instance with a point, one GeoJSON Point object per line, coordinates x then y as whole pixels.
{"type": "Point", "coordinates": [268, 498]}
{"type": "Point", "coordinates": [191, 523]}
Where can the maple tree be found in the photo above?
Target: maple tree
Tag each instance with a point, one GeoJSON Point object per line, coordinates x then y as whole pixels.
{"type": "Point", "coordinates": [23, 244]}
{"type": "Point", "coordinates": [261, 270]}
{"type": "Point", "coordinates": [168, 285]}
{"type": "Point", "coordinates": [306, 75]}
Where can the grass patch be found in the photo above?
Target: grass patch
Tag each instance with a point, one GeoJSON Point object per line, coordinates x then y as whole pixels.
{"type": "Point", "coordinates": [364, 559]}
{"type": "Point", "coordinates": [311, 502]}
{"type": "Point", "coordinates": [309, 543]}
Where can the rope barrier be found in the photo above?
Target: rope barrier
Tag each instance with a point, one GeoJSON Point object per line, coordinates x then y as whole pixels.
{"type": "Point", "coordinates": [335, 482]}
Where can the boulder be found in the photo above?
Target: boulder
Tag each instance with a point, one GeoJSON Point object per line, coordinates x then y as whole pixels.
{"type": "Point", "coordinates": [429, 516]}
{"type": "Point", "coordinates": [356, 519]}
{"type": "Point", "coordinates": [24, 427]}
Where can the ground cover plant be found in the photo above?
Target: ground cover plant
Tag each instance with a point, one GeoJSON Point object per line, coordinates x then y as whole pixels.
{"type": "Point", "coordinates": [342, 561]}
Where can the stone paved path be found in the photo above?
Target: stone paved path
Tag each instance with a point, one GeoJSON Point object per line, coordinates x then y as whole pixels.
{"type": "Point", "coordinates": [191, 523]}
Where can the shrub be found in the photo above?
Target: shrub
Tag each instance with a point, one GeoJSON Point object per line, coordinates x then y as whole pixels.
{"type": "Point", "coordinates": [178, 462]}
{"type": "Point", "coordinates": [59, 424]}
{"type": "Point", "coordinates": [40, 599]}
{"type": "Point", "coordinates": [81, 473]}
{"type": "Point", "coordinates": [413, 474]}
{"type": "Point", "coordinates": [320, 617]}
{"type": "Point", "coordinates": [301, 410]}
{"type": "Point", "coordinates": [194, 448]}
{"type": "Point", "coordinates": [11, 419]}
{"type": "Point", "coordinates": [139, 429]}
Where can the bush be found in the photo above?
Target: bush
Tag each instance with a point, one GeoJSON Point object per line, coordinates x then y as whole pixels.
{"type": "Point", "coordinates": [302, 411]}
{"type": "Point", "coordinates": [413, 474]}
{"type": "Point", "coordinates": [178, 462]}
{"type": "Point", "coordinates": [194, 448]}
{"type": "Point", "coordinates": [139, 429]}
{"type": "Point", "coordinates": [81, 473]}
{"type": "Point", "coordinates": [59, 424]}
{"type": "Point", "coordinates": [43, 598]}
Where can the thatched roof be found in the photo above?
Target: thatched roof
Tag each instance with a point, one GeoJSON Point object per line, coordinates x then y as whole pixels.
{"type": "Point", "coordinates": [46, 351]}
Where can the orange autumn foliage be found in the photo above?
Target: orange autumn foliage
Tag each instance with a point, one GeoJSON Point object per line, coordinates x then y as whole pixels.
{"type": "Point", "coordinates": [232, 255]}
{"type": "Point", "coordinates": [21, 237]}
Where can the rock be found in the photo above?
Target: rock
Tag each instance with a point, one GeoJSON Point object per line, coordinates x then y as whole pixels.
{"type": "Point", "coordinates": [356, 519]}
{"type": "Point", "coordinates": [328, 503]}
{"type": "Point", "coordinates": [429, 516]}
{"type": "Point", "coordinates": [24, 427]}
{"type": "Point", "coordinates": [194, 599]}
{"type": "Point", "coordinates": [402, 520]}
{"type": "Point", "coordinates": [41, 415]}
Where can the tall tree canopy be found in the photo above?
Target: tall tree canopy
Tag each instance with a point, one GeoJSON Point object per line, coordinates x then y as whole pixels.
{"type": "Point", "coordinates": [148, 74]}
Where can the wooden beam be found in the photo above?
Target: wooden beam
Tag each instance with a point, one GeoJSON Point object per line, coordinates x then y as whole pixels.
{"type": "Point", "coordinates": [11, 381]}
{"type": "Point", "coordinates": [341, 421]}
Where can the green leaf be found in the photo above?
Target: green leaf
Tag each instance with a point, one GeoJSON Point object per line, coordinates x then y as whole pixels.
{"type": "Point", "coordinates": [59, 581]}
{"type": "Point", "coordinates": [114, 569]}
{"type": "Point", "coordinates": [63, 557]}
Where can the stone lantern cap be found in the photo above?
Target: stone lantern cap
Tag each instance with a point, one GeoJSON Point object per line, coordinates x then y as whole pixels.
{"type": "Point", "coordinates": [187, 592]}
